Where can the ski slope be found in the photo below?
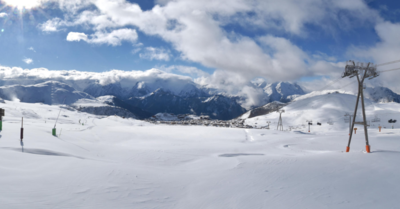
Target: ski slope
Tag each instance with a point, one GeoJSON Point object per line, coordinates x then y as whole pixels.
{"type": "Point", "coordinates": [110, 162]}
{"type": "Point", "coordinates": [329, 106]}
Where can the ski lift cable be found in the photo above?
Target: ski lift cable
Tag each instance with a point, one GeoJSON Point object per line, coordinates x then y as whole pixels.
{"type": "Point", "coordinates": [348, 84]}
{"type": "Point", "coordinates": [331, 83]}
{"type": "Point", "coordinates": [388, 63]}
{"type": "Point", "coordinates": [384, 71]}
{"type": "Point", "coordinates": [57, 118]}
{"type": "Point", "coordinates": [59, 114]}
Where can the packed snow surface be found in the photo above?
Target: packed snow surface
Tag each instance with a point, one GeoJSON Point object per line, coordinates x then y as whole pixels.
{"type": "Point", "coordinates": [110, 162]}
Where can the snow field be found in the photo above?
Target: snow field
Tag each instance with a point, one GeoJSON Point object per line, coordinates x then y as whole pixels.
{"type": "Point", "coordinates": [112, 162]}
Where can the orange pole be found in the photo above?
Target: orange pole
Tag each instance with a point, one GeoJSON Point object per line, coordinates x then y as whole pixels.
{"type": "Point", "coordinates": [347, 149]}
{"type": "Point", "coordinates": [367, 147]}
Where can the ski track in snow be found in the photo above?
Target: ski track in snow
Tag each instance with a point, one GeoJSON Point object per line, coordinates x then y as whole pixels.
{"type": "Point", "coordinates": [249, 137]}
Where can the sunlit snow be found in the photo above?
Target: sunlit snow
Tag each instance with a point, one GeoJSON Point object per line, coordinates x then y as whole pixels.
{"type": "Point", "coordinates": [111, 162]}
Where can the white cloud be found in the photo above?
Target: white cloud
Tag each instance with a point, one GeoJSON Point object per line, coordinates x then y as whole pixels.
{"type": "Point", "coordinates": [32, 49]}
{"type": "Point", "coordinates": [2, 14]}
{"type": "Point", "coordinates": [113, 38]}
{"type": "Point", "coordinates": [134, 51]}
{"type": "Point", "coordinates": [193, 71]}
{"type": "Point", "coordinates": [156, 78]}
{"type": "Point", "coordinates": [235, 84]}
{"type": "Point", "coordinates": [152, 53]}
{"type": "Point", "coordinates": [75, 36]}
{"type": "Point", "coordinates": [387, 50]}
{"type": "Point", "coordinates": [51, 25]}
{"type": "Point", "coordinates": [188, 70]}
{"type": "Point", "coordinates": [27, 60]}
{"type": "Point", "coordinates": [194, 28]}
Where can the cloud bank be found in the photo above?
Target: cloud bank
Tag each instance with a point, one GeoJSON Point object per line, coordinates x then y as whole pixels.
{"type": "Point", "coordinates": [196, 29]}
{"type": "Point", "coordinates": [113, 38]}
{"type": "Point", "coordinates": [215, 34]}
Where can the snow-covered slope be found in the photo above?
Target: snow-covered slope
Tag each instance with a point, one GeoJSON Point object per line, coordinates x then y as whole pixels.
{"type": "Point", "coordinates": [110, 162]}
{"type": "Point", "coordinates": [112, 89]}
{"type": "Point", "coordinates": [263, 110]}
{"type": "Point", "coordinates": [330, 106]}
{"type": "Point", "coordinates": [110, 105]}
{"type": "Point", "coordinates": [49, 92]}
{"type": "Point", "coordinates": [381, 94]}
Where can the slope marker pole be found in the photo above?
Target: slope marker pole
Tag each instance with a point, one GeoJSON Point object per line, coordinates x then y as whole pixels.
{"type": "Point", "coordinates": [22, 134]}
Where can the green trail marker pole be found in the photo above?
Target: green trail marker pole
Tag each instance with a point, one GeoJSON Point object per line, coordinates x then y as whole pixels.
{"type": "Point", "coordinates": [54, 129]}
{"type": "Point", "coordinates": [1, 118]}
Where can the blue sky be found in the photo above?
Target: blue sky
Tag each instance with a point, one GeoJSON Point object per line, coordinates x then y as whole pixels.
{"type": "Point", "coordinates": [278, 40]}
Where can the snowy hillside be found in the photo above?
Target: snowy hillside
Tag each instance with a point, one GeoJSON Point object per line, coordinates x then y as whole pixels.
{"type": "Point", "coordinates": [110, 162]}
{"type": "Point", "coordinates": [330, 106]}
{"type": "Point", "coordinates": [49, 92]}
{"type": "Point", "coordinates": [263, 110]}
{"type": "Point", "coordinates": [103, 106]}
{"type": "Point", "coordinates": [381, 94]}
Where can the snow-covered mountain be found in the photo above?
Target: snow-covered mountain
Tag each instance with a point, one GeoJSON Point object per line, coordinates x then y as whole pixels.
{"type": "Point", "coordinates": [191, 98]}
{"type": "Point", "coordinates": [263, 110]}
{"type": "Point", "coordinates": [282, 91]}
{"type": "Point", "coordinates": [323, 107]}
{"type": "Point", "coordinates": [381, 94]}
{"type": "Point", "coordinates": [144, 93]}
{"type": "Point", "coordinates": [113, 89]}
{"type": "Point", "coordinates": [162, 101]}
{"type": "Point", "coordinates": [329, 108]}
{"type": "Point", "coordinates": [164, 94]}
{"type": "Point", "coordinates": [115, 101]}
{"type": "Point", "coordinates": [49, 92]}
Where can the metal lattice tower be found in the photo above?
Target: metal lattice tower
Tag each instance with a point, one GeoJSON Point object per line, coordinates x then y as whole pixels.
{"type": "Point", "coordinates": [309, 124]}
{"type": "Point", "coordinates": [361, 71]}
{"type": "Point", "coordinates": [350, 116]}
{"type": "Point", "coordinates": [280, 124]}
